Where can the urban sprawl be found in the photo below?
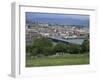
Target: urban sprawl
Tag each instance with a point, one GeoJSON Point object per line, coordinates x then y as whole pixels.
{"type": "Point", "coordinates": [55, 31]}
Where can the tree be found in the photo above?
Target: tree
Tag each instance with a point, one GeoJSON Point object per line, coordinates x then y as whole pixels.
{"type": "Point", "coordinates": [29, 50]}
{"type": "Point", "coordinates": [60, 47]}
{"type": "Point", "coordinates": [38, 52]}
{"type": "Point", "coordinates": [48, 51]}
{"type": "Point", "coordinates": [74, 49]}
{"type": "Point", "coordinates": [42, 42]}
{"type": "Point", "coordinates": [42, 46]}
{"type": "Point", "coordinates": [85, 46]}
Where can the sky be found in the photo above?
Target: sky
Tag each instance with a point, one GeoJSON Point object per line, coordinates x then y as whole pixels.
{"type": "Point", "coordinates": [55, 18]}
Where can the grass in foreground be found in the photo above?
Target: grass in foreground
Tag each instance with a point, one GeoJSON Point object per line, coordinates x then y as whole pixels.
{"type": "Point", "coordinates": [70, 59]}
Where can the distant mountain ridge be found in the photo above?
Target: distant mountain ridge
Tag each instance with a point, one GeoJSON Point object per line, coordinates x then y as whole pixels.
{"type": "Point", "coordinates": [68, 21]}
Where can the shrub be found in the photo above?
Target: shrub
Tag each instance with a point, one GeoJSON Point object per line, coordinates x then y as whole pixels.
{"type": "Point", "coordinates": [85, 46]}
{"type": "Point", "coordinates": [74, 49]}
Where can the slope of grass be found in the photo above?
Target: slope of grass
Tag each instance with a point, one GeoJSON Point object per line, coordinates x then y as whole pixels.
{"type": "Point", "coordinates": [70, 59]}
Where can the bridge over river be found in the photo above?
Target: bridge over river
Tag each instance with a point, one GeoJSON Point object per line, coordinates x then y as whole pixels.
{"type": "Point", "coordinates": [77, 41]}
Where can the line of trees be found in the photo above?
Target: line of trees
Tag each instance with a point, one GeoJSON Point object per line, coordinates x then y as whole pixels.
{"type": "Point", "coordinates": [44, 47]}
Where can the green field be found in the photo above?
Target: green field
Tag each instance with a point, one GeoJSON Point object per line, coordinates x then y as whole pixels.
{"type": "Point", "coordinates": [69, 59]}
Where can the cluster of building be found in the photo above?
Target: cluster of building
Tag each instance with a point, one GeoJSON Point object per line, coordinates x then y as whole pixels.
{"type": "Point", "coordinates": [51, 30]}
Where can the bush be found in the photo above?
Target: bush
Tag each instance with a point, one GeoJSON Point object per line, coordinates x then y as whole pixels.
{"type": "Point", "coordinates": [74, 49]}
{"type": "Point", "coordinates": [48, 51]}
{"type": "Point", "coordinates": [29, 49]}
{"type": "Point", "coordinates": [60, 47]}
{"type": "Point", "coordinates": [42, 46]}
{"type": "Point", "coordinates": [85, 46]}
{"type": "Point", "coordinates": [42, 42]}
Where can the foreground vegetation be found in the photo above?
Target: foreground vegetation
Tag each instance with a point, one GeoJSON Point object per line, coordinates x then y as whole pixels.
{"type": "Point", "coordinates": [69, 59]}
{"type": "Point", "coordinates": [44, 46]}
{"type": "Point", "coordinates": [43, 52]}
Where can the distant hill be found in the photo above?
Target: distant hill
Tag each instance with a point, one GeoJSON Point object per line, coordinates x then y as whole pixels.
{"type": "Point", "coordinates": [68, 21]}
